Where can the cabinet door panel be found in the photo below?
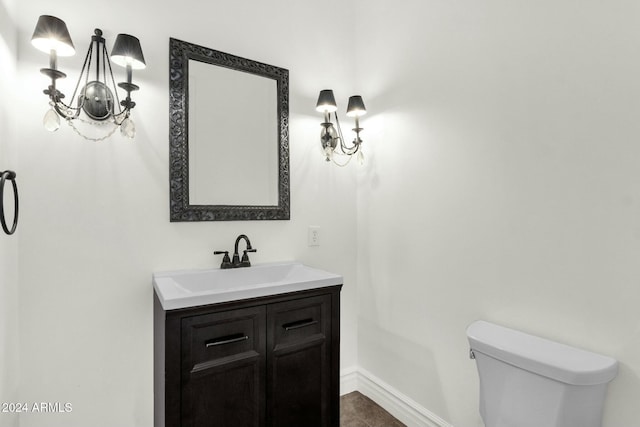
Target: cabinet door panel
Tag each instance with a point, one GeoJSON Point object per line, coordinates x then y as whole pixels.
{"type": "Point", "coordinates": [223, 357]}
{"type": "Point", "coordinates": [228, 395]}
{"type": "Point", "coordinates": [299, 362]}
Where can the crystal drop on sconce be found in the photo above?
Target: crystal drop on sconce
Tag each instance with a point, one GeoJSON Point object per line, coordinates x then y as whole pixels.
{"type": "Point", "coordinates": [328, 136]}
{"type": "Point", "coordinates": [328, 152]}
{"type": "Point", "coordinates": [51, 120]}
{"type": "Point", "coordinates": [128, 128]}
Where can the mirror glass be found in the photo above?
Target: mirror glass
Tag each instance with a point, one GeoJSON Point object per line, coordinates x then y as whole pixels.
{"type": "Point", "coordinates": [216, 149]}
{"type": "Point", "coordinates": [229, 153]}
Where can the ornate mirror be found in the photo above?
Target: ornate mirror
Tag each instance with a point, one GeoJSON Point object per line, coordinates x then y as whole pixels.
{"type": "Point", "coordinates": [229, 136]}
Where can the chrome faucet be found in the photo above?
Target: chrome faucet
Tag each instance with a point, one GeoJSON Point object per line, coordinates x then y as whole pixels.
{"type": "Point", "coordinates": [237, 262]}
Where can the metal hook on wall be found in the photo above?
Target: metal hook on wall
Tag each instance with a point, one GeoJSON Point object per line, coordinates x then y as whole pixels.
{"type": "Point", "coordinates": [11, 176]}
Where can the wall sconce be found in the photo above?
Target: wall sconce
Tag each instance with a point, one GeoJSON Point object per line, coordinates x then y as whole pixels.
{"type": "Point", "coordinates": [331, 139]}
{"type": "Point", "coordinates": [97, 99]}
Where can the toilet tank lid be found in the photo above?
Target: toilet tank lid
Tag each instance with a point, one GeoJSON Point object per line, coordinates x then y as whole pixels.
{"type": "Point", "coordinates": [544, 357]}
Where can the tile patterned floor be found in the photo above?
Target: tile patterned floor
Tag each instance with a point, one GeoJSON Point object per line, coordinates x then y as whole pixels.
{"type": "Point", "coordinates": [357, 410]}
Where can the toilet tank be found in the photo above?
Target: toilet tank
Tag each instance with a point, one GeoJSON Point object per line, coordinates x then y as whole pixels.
{"type": "Point", "coordinates": [528, 381]}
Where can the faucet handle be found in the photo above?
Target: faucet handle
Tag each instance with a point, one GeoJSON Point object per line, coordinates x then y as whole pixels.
{"type": "Point", "coordinates": [226, 261]}
{"type": "Point", "coordinates": [245, 258]}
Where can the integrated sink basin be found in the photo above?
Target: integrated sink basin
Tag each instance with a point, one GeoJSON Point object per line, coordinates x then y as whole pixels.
{"type": "Point", "coordinates": [190, 288]}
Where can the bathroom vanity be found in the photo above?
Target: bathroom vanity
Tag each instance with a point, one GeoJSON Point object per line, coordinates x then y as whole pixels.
{"type": "Point", "coordinates": [266, 358]}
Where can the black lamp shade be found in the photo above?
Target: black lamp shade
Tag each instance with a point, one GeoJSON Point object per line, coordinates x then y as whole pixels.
{"type": "Point", "coordinates": [356, 107]}
{"type": "Point", "coordinates": [51, 33]}
{"type": "Point", "coordinates": [326, 102]}
{"type": "Point", "coordinates": [127, 51]}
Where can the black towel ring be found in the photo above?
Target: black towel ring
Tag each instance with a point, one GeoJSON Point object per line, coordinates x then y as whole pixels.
{"type": "Point", "coordinates": [11, 176]}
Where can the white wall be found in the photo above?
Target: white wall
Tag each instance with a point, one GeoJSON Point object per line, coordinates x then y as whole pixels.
{"type": "Point", "coordinates": [8, 244]}
{"type": "Point", "coordinates": [504, 185]}
{"type": "Point", "coordinates": [95, 219]}
{"type": "Point", "coordinates": [501, 183]}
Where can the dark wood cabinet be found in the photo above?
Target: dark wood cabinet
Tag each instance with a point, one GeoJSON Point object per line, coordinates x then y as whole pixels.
{"type": "Point", "coordinates": [265, 362]}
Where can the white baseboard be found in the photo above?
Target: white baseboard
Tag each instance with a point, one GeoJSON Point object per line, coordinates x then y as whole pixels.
{"type": "Point", "coordinates": [348, 380]}
{"type": "Point", "coordinates": [405, 409]}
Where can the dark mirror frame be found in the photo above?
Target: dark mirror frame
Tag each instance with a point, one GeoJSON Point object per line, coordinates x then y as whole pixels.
{"type": "Point", "coordinates": [180, 53]}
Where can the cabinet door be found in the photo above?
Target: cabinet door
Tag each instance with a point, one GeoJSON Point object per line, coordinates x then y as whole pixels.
{"type": "Point", "coordinates": [223, 369]}
{"type": "Point", "coordinates": [299, 363]}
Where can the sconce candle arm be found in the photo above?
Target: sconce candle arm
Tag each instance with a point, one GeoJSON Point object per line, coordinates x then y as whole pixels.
{"type": "Point", "coordinates": [68, 112]}
{"type": "Point", "coordinates": [356, 142]}
{"type": "Point", "coordinates": [53, 59]}
{"type": "Point", "coordinates": [129, 87]}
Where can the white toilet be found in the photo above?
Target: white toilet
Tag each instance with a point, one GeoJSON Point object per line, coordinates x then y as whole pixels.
{"type": "Point", "coordinates": [527, 381]}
